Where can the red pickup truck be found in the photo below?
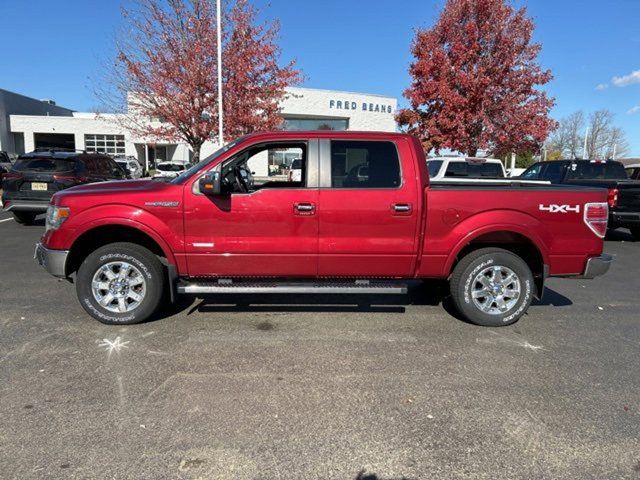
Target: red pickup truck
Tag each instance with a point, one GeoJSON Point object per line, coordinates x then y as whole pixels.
{"type": "Point", "coordinates": [363, 218]}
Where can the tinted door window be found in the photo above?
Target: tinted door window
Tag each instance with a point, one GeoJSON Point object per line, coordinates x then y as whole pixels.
{"type": "Point", "coordinates": [91, 166]}
{"type": "Point", "coordinates": [554, 172]}
{"type": "Point", "coordinates": [364, 165]}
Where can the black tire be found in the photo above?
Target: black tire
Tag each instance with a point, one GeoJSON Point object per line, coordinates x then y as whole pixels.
{"type": "Point", "coordinates": [143, 263]}
{"type": "Point", "coordinates": [470, 268]}
{"type": "Point", "coordinates": [24, 218]}
{"type": "Point", "coordinates": [635, 233]}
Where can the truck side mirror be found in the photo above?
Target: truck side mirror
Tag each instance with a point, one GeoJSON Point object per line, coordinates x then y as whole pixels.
{"type": "Point", "coordinates": [210, 183]}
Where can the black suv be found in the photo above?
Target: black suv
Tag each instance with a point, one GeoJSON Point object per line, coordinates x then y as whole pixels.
{"type": "Point", "coordinates": [35, 177]}
{"type": "Point", "coordinates": [624, 194]}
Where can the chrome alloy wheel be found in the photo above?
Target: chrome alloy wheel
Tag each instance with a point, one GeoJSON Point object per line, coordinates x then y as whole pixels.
{"type": "Point", "coordinates": [496, 290]}
{"type": "Point", "coordinates": [118, 287]}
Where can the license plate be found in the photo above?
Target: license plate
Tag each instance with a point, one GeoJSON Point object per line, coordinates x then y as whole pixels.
{"type": "Point", "coordinates": [38, 186]}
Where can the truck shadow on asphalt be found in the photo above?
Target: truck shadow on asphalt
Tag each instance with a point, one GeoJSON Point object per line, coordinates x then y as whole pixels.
{"type": "Point", "coordinates": [428, 293]}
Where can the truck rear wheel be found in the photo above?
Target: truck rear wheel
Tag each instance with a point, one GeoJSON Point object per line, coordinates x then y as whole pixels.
{"type": "Point", "coordinates": [120, 283]}
{"type": "Point", "coordinates": [492, 287]}
{"type": "Point", "coordinates": [635, 233]}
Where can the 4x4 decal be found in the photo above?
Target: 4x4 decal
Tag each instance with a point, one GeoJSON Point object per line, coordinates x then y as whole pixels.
{"type": "Point", "coordinates": [553, 208]}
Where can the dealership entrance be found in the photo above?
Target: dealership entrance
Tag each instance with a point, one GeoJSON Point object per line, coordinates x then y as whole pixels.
{"type": "Point", "coordinates": [150, 154]}
{"type": "Point", "coordinates": [54, 140]}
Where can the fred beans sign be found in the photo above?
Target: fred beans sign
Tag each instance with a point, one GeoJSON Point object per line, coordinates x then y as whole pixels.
{"type": "Point", "coordinates": [363, 106]}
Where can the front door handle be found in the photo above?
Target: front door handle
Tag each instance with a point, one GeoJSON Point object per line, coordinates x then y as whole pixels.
{"type": "Point", "coordinates": [304, 208]}
{"type": "Point", "coordinates": [401, 208]}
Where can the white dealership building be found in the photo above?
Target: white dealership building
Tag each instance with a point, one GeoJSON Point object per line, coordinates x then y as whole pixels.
{"type": "Point", "coordinates": [27, 124]}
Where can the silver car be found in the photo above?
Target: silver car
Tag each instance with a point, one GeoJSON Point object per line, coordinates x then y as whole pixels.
{"type": "Point", "coordinates": [131, 166]}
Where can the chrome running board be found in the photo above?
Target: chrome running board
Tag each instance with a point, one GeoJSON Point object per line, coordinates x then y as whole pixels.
{"type": "Point", "coordinates": [225, 286]}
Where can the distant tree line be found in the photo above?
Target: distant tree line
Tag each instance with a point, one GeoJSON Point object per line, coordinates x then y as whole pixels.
{"type": "Point", "coordinates": [604, 139]}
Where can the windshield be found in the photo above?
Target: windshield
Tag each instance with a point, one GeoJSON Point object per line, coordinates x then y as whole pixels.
{"type": "Point", "coordinates": [43, 165]}
{"type": "Point", "coordinates": [187, 174]}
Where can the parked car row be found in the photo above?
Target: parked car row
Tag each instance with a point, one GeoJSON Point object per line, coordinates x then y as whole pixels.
{"type": "Point", "coordinates": [29, 183]}
{"type": "Point", "coordinates": [33, 179]}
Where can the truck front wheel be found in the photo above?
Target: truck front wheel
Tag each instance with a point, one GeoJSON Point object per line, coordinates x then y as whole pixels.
{"type": "Point", "coordinates": [492, 287]}
{"type": "Point", "coordinates": [120, 283]}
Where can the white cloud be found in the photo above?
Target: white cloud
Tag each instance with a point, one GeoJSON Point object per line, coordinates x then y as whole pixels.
{"type": "Point", "coordinates": [634, 110]}
{"type": "Point", "coordinates": [626, 80]}
{"type": "Point", "coordinates": [602, 86]}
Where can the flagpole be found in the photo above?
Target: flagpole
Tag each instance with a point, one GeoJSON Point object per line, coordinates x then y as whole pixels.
{"type": "Point", "coordinates": [220, 109]}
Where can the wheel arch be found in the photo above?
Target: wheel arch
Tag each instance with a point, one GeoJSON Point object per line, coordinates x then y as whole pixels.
{"type": "Point", "coordinates": [116, 231]}
{"type": "Point", "coordinates": [510, 238]}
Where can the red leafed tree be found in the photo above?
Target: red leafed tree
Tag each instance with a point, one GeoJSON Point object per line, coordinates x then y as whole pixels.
{"type": "Point", "coordinates": [166, 67]}
{"type": "Point", "coordinates": [475, 80]}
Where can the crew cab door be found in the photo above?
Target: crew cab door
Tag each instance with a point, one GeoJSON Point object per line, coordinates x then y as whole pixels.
{"type": "Point", "coordinates": [369, 208]}
{"type": "Point", "coordinates": [271, 230]}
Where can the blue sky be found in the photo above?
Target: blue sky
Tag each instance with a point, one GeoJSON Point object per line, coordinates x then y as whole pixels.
{"type": "Point", "coordinates": [54, 48]}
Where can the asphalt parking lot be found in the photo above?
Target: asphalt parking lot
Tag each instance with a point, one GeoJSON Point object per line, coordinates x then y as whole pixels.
{"type": "Point", "coordinates": [262, 388]}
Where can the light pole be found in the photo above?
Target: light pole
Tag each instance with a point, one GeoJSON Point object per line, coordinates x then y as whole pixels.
{"type": "Point", "coordinates": [584, 150]}
{"type": "Point", "coordinates": [220, 110]}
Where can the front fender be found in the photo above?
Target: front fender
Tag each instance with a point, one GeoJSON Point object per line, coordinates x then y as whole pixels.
{"type": "Point", "coordinates": [164, 231]}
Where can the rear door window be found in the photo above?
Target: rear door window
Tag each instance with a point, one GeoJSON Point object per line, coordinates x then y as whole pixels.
{"type": "Point", "coordinates": [43, 164]}
{"type": "Point", "coordinates": [365, 164]}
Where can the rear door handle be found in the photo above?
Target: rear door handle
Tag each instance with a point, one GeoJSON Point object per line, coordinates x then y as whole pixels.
{"type": "Point", "coordinates": [401, 208]}
{"type": "Point", "coordinates": [304, 208]}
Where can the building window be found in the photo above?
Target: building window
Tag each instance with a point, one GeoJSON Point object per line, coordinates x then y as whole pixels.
{"type": "Point", "coordinates": [316, 124]}
{"type": "Point", "coordinates": [109, 144]}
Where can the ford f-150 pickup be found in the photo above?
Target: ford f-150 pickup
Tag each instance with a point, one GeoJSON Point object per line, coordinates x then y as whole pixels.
{"type": "Point", "coordinates": [363, 218]}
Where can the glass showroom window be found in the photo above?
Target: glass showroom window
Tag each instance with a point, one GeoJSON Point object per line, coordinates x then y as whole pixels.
{"type": "Point", "coordinates": [316, 124]}
{"type": "Point", "coordinates": [110, 144]}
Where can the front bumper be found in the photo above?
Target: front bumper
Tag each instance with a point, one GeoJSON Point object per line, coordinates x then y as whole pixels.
{"type": "Point", "coordinates": [53, 261]}
{"type": "Point", "coordinates": [597, 266]}
{"type": "Point", "coordinates": [36, 206]}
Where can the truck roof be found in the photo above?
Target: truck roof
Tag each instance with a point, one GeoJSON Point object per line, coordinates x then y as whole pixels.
{"type": "Point", "coordinates": [346, 134]}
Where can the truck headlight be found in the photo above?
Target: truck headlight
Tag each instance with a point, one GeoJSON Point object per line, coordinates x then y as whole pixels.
{"type": "Point", "coordinates": [56, 216]}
